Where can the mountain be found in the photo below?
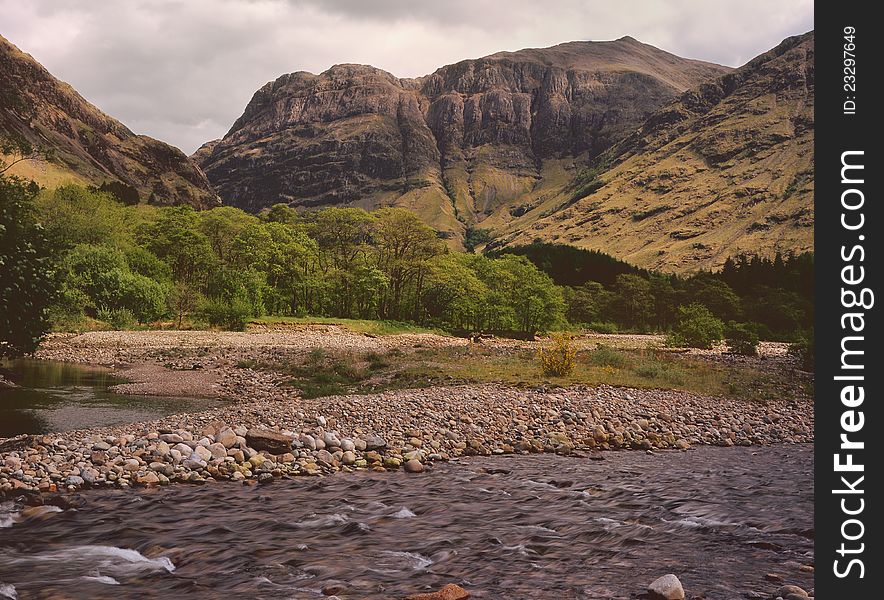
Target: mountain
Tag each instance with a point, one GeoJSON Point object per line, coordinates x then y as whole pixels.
{"type": "Point", "coordinates": [84, 144]}
{"type": "Point", "coordinates": [726, 168]}
{"type": "Point", "coordinates": [474, 145]}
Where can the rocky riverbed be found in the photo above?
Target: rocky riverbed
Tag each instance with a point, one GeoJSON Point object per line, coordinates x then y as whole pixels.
{"type": "Point", "coordinates": [268, 431]}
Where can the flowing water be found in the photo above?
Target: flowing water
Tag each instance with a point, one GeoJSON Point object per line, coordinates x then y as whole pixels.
{"type": "Point", "coordinates": [59, 396]}
{"type": "Point", "coordinates": [539, 526]}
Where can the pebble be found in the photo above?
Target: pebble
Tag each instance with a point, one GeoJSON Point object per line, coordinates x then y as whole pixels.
{"type": "Point", "coordinates": [377, 431]}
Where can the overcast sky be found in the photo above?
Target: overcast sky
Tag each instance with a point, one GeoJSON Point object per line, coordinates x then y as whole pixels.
{"type": "Point", "coordinates": [183, 70]}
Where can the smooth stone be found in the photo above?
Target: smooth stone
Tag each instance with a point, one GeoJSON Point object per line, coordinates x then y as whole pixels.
{"type": "Point", "coordinates": [348, 457]}
{"type": "Point", "coordinates": [203, 452]}
{"type": "Point", "coordinates": [785, 590]}
{"type": "Point", "coordinates": [414, 466]}
{"type": "Point", "coordinates": [348, 445]}
{"type": "Point", "coordinates": [667, 587]}
{"type": "Point", "coordinates": [74, 480]}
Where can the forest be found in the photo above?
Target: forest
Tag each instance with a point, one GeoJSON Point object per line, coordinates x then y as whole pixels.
{"type": "Point", "coordinates": [113, 263]}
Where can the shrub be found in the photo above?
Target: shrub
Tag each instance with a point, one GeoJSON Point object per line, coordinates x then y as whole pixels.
{"type": "Point", "coordinates": [117, 318]}
{"type": "Point", "coordinates": [558, 360]}
{"type": "Point", "coordinates": [741, 338]}
{"type": "Point", "coordinates": [605, 356]}
{"type": "Point", "coordinates": [232, 315]}
{"type": "Point", "coordinates": [696, 327]}
{"type": "Point", "coordinates": [603, 327]}
{"type": "Point", "coordinates": [803, 349]}
{"type": "Point", "coordinates": [661, 371]}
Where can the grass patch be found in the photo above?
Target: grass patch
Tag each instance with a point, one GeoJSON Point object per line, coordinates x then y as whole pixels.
{"type": "Point", "coordinates": [323, 373]}
{"type": "Point", "coordinates": [364, 326]}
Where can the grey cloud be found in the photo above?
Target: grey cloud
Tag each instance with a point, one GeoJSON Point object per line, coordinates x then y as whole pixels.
{"type": "Point", "coordinates": [183, 70]}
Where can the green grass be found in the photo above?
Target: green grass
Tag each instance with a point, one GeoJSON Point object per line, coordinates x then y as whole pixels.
{"type": "Point", "coordinates": [364, 326]}
{"type": "Point", "coordinates": [324, 373]}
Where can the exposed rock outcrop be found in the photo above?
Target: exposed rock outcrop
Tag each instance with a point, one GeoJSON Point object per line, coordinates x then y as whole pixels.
{"type": "Point", "coordinates": [86, 145]}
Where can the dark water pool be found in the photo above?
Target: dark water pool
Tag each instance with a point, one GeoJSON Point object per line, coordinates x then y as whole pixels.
{"type": "Point", "coordinates": [59, 396]}
{"type": "Point", "coordinates": [538, 527]}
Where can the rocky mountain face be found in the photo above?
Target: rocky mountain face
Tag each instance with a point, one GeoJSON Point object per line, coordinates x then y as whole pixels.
{"type": "Point", "coordinates": [725, 168]}
{"type": "Point", "coordinates": [474, 145]}
{"type": "Point", "coordinates": [84, 144]}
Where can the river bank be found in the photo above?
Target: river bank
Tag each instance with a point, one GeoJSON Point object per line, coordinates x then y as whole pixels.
{"type": "Point", "coordinates": [268, 430]}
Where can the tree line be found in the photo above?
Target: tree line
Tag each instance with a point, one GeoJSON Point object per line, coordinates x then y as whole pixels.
{"type": "Point", "coordinates": [97, 257]}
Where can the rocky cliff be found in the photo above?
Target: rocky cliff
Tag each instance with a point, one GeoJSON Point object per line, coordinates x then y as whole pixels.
{"type": "Point", "coordinates": [473, 142]}
{"type": "Point", "coordinates": [84, 144]}
{"type": "Point", "coordinates": [725, 168]}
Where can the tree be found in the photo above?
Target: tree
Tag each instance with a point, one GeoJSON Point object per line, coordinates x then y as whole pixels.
{"type": "Point", "coordinates": [18, 149]}
{"type": "Point", "coordinates": [183, 300]}
{"type": "Point", "coordinates": [74, 215]}
{"type": "Point", "coordinates": [27, 283]}
{"type": "Point", "coordinates": [176, 239]}
{"type": "Point", "coordinates": [221, 226]}
{"type": "Point", "coordinates": [696, 327]}
{"type": "Point", "coordinates": [520, 296]}
{"type": "Point", "coordinates": [453, 294]}
{"type": "Point", "coordinates": [589, 303]}
{"type": "Point", "coordinates": [635, 301]}
{"type": "Point", "coordinates": [716, 295]}
{"type": "Point", "coordinates": [404, 244]}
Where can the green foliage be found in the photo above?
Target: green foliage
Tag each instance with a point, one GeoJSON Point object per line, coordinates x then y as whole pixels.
{"type": "Point", "coordinates": [117, 318]}
{"type": "Point", "coordinates": [606, 356]}
{"type": "Point", "coordinates": [27, 282]}
{"type": "Point", "coordinates": [776, 293]}
{"type": "Point", "coordinates": [386, 265]}
{"type": "Point", "coordinates": [696, 327]}
{"type": "Point", "coordinates": [603, 327]}
{"type": "Point", "coordinates": [122, 192]}
{"type": "Point", "coordinates": [803, 349]}
{"type": "Point", "coordinates": [476, 237]}
{"type": "Point", "coordinates": [232, 315]}
{"type": "Point", "coordinates": [741, 338]}
{"type": "Point", "coordinates": [73, 215]}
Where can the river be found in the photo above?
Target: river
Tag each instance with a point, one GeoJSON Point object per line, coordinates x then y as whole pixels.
{"type": "Point", "coordinates": [539, 526]}
{"type": "Point", "coordinates": [55, 396]}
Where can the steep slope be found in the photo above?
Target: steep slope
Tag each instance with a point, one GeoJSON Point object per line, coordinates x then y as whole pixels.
{"type": "Point", "coordinates": [472, 141]}
{"type": "Point", "coordinates": [724, 169]}
{"type": "Point", "coordinates": [85, 144]}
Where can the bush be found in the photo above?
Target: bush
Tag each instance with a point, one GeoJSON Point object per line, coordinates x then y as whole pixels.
{"type": "Point", "coordinates": [661, 371]}
{"type": "Point", "coordinates": [558, 360]}
{"type": "Point", "coordinates": [142, 296]}
{"type": "Point", "coordinates": [695, 327]}
{"type": "Point", "coordinates": [803, 349]}
{"type": "Point", "coordinates": [603, 327]}
{"type": "Point", "coordinates": [742, 338]}
{"type": "Point", "coordinates": [605, 356]}
{"type": "Point", "coordinates": [232, 316]}
{"type": "Point", "coordinates": [117, 318]}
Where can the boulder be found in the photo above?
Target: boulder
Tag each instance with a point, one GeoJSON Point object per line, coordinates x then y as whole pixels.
{"type": "Point", "coordinates": [793, 590]}
{"type": "Point", "coordinates": [269, 441]}
{"type": "Point", "coordinates": [667, 587]}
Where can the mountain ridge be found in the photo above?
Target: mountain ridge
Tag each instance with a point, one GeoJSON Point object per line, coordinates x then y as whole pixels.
{"type": "Point", "coordinates": [455, 145]}
{"type": "Point", "coordinates": [86, 145]}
